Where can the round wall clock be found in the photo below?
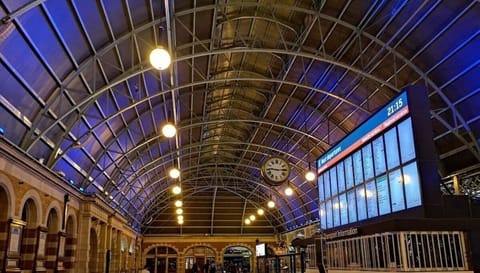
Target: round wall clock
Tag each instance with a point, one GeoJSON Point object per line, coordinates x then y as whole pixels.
{"type": "Point", "coordinates": [275, 170]}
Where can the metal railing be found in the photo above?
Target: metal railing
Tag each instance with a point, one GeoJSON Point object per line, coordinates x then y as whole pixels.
{"type": "Point", "coordinates": [399, 251]}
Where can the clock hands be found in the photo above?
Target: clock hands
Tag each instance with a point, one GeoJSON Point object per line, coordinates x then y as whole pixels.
{"type": "Point", "coordinates": [275, 169]}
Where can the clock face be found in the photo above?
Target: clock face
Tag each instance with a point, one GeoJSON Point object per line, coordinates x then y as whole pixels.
{"type": "Point", "coordinates": [275, 170]}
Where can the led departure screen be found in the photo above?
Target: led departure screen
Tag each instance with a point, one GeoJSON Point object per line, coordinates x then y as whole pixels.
{"type": "Point", "coordinates": [371, 172]}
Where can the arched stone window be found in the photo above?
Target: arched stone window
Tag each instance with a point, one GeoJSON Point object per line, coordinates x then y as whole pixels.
{"type": "Point", "coordinates": [162, 259]}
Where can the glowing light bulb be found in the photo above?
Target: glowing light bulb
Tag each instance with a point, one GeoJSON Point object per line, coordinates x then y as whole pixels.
{"type": "Point", "coordinates": [174, 173]}
{"type": "Point", "coordinates": [179, 211]}
{"type": "Point", "coordinates": [260, 211]}
{"type": "Point", "coordinates": [178, 203]}
{"type": "Point", "coordinates": [169, 130]}
{"type": "Point", "coordinates": [247, 221]}
{"type": "Point", "coordinates": [271, 204]}
{"type": "Point", "coordinates": [177, 189]}
{"type": "Point", "coordinates": [288, 191]}
{"type": "Point", "coordinates": [310, 176]}
{"type": "Point", "coordinates": [252, 217]}
{"type": "Point", "coordinates": [160, 58]}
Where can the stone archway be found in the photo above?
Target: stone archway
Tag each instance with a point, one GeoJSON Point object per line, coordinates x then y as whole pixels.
{"type": "Point", "coordinates": [4, 215]}
{"type": "Point", "coordinates": [53, 229]}
{"type": "Point", "coordinates": [30, 234]}
{"type": "Point", "coordinates": [70, 243]}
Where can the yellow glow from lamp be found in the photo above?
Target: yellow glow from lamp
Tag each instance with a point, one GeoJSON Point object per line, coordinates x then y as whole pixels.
{"type": "Point", "coordinates": [180, 217]}
{"type": "Point", "coordinates": [260, 211]}
{"type": "Point", "coordinates": [176, 189]}
{"type": "Point", "coordinates": [178, 203]}
{"type": "Point", "coordinates": [174, 173]}
{"type": "Point", "coordinates": [160, 58]}
{"type": "Point", "coordinates": [271, 204]}
{"type": "Point", "coordinates": [288, 191]}
{"type": "Point", "coordinates": [179, 211]}
{"type": "Point", "coordinates": [247, 221]}
{"type": "Point", "coordinates": [252, 217]}
{"type": "Point", "coordinates": [169, 130]}
{"type": "Point", "coordinates": [310, 176]}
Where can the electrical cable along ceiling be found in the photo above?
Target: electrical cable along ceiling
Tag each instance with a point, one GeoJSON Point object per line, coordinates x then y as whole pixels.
{"type": "Point", "coordinates": [248, 80]}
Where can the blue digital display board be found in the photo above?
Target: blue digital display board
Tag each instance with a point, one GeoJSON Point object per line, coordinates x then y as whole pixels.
{"type": "Point", "coordinates": [372, 171]}
{"type": "Point", "coordinates": [384, 118]}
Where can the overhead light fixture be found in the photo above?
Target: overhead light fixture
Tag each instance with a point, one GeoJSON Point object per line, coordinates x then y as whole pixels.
{"type": "Point", "coordinates": [169, 130]}
{"type": "Point", "coordinates": [176, 189]}
{"type": "Point", "coordinates": [247, 221]}
{"type": "Point", "coordinates": [178, 203]}
{"type": "Point", "coordinates": [180, 217]}
{"type": "Point", "coordinates": [179, 211]}
{"type": "Point", "coordinates": [174, 173]}
{"type": "Point", "coordinates": [271, 204]}
{"type": "Point", "coordinates": [252, 217]}
{"type": "Point", "coordinates": [160, 58]}
{"type": "Point", "coordinates": [288, 190]}
{"type": "Point", "coordinates": [260, 211]}
{"type": "Point", "coordinates": [310, 175]}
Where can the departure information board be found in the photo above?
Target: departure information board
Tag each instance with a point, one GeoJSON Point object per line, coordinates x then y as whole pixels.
{"type": "Point", "coordinates": [373, 171]}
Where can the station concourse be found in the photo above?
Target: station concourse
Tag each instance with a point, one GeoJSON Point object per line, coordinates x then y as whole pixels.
{"type": "Point", "coordinates": [228, 136]}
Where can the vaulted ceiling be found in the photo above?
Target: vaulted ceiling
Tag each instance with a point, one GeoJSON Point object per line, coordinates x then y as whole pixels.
{"type": "Point", "coordinates": [249, 79]}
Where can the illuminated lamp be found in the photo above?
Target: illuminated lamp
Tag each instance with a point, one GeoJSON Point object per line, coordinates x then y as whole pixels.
{"type": "Point", "coordinates": [310, 175]}
{"type": "Point", "coordinates": [169, 130]}
{"type": "Point", "coordinates": [176, 189]}
{"type": "Point", "coordinates": [174, 173]}
{"type": "Point", "coordinates": [288, 190]}
{"type": "Point", "coordinates": [160, 58]}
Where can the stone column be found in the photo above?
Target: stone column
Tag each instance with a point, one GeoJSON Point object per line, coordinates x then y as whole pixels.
{"type": "Point", "coordinates": [83, 245]}
{"type": "Point", "coordinates": [102, 247]}
{"type": "Point", "coordinates": [115, 252]}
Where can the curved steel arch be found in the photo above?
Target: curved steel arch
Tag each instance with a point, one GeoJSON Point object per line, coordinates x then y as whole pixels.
{"type": "Point", "coordinates": [131, 182]}
{"type": "Point", "coordinates": [199, 124]}
{"type": "Point", "coordinates": [234, 191]}
{"type": "Point", "coordinates": [257, 17]}
{"type": "Point", "coordinates": [314, 13]}
{"type": "Point", "coordinates": [278, 217]}
{"type": "Point", "coordinates": [133, 72]}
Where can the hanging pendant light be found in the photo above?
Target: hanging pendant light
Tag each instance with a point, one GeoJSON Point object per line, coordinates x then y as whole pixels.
{"type": "Point", "coordinates": [310, 175]}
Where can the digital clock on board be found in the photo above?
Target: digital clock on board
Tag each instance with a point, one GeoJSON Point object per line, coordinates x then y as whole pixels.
{"type": "Point", "coordinates": [394, 106]}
